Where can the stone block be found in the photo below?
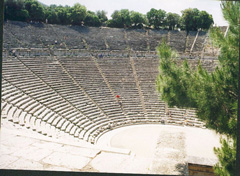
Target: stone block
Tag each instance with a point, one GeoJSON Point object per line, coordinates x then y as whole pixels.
{"type": "Point", "coordinates": [66, 160]}
{"type": "Point", "coordinates": [47, 145]}
{"type": "Point", "coordinates": [23, 164]}
{"type": "Point", "coordinates": [85, 152]}
{"type": "Point", "coordinates": [6, 160]}
{"type": "Point", "coordinates": [118, 163]}
{"type": "Point", "coordinates": [32, 153]}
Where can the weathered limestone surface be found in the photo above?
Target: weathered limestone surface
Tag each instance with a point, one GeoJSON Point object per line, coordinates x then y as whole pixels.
{"type": "Point", "coordinates": [170, 157]}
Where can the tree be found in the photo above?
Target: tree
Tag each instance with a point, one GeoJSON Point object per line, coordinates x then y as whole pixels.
{"type": "Point", "coordinates": [110, 23]}
{"type": "Point", "coordinates": [64, 14]}
{"type": "Point", "coordinates": [92, 19]}
{"type": "Point", "coordinates": [229, 49]}
{"type": "Point", "coordinates": [22, 15]}
{"type": "Point", "coordinates": [227, 158]}
{"type": "Point", "coordinates": [172, 20]}
{"type": "Point", "coordinates": [78, 14]}
{"type": "Point", "coordinates": [15, 10]}
{"type": "Point", "coordinates": [193, 19]}
{"type": "Point", "coordinates": [156, 18]}
{"type": "Point", "coordinates": [137, 19]}
{"type": "Point", "coordinates": [205, 20]}
{"type": "Point", "coordinates": [190, 19]}
{"type": "Point", "coordinates": [35, 10]}
{"type": "Point", "coordinates": [214, 95]}
{"type": "Point", "coordinates": [52, 17]}
{"type": "Point", "coordinates": [102, 15]}
{"type": "Point", "coordinates": [116, 20]}
{"type": "Point", "coordinates": [125, 15]}
{"type": "Point", "coordinates": [120, 19]}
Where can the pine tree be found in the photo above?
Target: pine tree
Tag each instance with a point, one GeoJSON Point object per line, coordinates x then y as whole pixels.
{"type": "Point", "coordinates": [214, 95]}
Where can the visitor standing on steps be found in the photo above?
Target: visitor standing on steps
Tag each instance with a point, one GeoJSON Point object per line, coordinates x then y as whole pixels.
{"type": "Point", "coordinates": [118, 100]}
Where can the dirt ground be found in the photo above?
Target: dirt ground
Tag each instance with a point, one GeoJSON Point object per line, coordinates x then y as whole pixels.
{"type": "Point", "coordinates": [166, 147]}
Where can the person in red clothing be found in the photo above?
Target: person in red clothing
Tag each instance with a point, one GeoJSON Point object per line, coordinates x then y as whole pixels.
{"type": "Point", "coordinates": [118, 100]}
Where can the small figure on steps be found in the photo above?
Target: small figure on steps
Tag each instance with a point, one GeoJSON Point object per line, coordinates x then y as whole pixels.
{"type": "Point", "coordinates": [118, 100]}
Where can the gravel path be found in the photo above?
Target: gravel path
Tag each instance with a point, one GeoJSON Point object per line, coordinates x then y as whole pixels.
{"type": "Point", "coordinates": [170, 154]}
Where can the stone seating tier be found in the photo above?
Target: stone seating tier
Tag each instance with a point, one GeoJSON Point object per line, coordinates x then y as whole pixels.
{"type": "Point", "coordinates": [155, 38]}
{"type": "Point", "coordinates": [200, 41]}
{"type": "Point", "coordinates": [81, 100]}
{"type": "Point", "coordinates": [190, 40]}
{"type": "Point", "coordinates": [178, 40]}
{"type": "Point", "coordinates": [56, 87]}
{"type": "Point", "coordinates": [27, 35]}
{"type": "Point", "coordinates": [137, 40]}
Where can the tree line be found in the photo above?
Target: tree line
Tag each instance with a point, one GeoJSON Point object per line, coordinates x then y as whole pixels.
{"type": "Point", "coordinates": [32, 10]}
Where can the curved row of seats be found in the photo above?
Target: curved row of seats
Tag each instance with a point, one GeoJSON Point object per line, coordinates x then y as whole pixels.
{"type": "Point", "coordinates": [80, 37]}
{"type": "Point", "coordinates": [77, 95]}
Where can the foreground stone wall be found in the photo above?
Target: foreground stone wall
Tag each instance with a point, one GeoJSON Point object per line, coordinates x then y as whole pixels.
{"type": "Point", "coordinates": [197, 170]}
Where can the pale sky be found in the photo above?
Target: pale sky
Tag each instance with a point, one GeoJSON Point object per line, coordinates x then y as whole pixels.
{"type": "Point", "coordinates": [143, 6]}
